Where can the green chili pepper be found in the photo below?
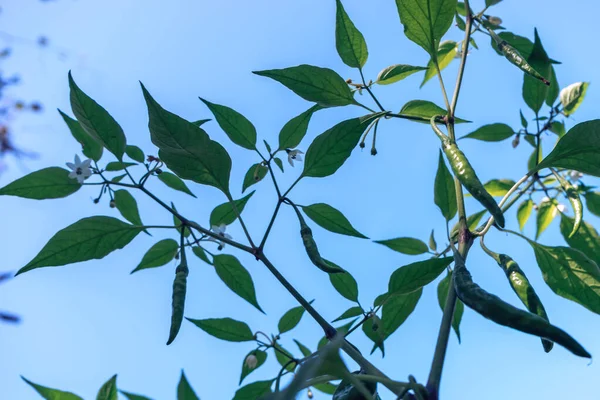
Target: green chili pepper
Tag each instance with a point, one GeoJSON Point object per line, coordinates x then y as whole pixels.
{"type": "Point", "coordinates": [179, 289]}
{"type": "Point", "coordinates": [467, 177]}
{"type": "Point", "coordinates": [497, 310]}
{"type": "Point", "coordinates": [520, 284]}
{"type": "Point", "coordinates": [311, 246]}
{"type": "Point", "coordinates": [512, 55]}
{"type": "Point", "coordinates": [575, 201]}
{"type": "Point", "coordinates": [346, 390]}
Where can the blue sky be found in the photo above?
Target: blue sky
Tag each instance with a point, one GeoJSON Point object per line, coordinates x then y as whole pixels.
{"type": "Point", "coordinates": [83, 323]}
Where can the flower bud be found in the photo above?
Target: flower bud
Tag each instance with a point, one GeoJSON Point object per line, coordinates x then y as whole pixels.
{"type": "Point", "coordinates": [373, 151]}
{"type": "Point", "coordinates": [362, 145]}
{"type": "Point", "coordinates": [35, 106]}
{"type": "Point", "coordinates": [19, 105]}
{"type": "Point", "coordinates": [251, 361]}
{"type": "Point", "coordinates": [515, 142]}
{"type": "Point", "coordinates": [158, 171]}
{"type": "Point", "coordinates": [112, 204]}
{"type": "Point", "coordinates": [309, 393]}
{"type": "Point", "coordinates": [96, 201]}
{"type": "Point", "coordinates": [494, 20]}
{"type": "Point", "coordinates": [348, 81]}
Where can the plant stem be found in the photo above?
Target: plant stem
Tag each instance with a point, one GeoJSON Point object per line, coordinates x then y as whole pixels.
{"type": "Point", "coordinates": [463, 59]}
{"type": "Point", "coordinates": [362, 76]}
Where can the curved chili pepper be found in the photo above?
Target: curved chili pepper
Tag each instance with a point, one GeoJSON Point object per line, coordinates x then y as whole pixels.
{"type": "Point", "coordinates": [497, 310]}
{"type": "Point", "coordinates": [513, 55]}
{"type": "Point", "coordinates": [178, 302]}
{"type": "Point", "coordinates": [575, 201]}
{"type": "Point", "coordinates": [520, 284]}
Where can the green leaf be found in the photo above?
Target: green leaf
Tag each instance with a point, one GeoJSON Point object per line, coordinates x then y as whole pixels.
{"type": "Point", "coordinates": [535, 158]}
{"type": "Point", "coordinates": [239, 129]}
{"type": "Point", "coordinates": [572, 96]}
{"type": "Point", "coordinates": [523, 120]}
{"type": "Point", "coordinates": [295, 129]}
{"type": "Point", "coordinates": [426, 21]}
{"type": "Point", "coordinates": [446, 53]}
{"type": "Point", "coordinates": [444, 192]}
{"type": "Point", "coordinates": [174, 182]}
{"type": "Point", "coordinates": [579, 149]}
{"type": "Point", "coordinates": [158, 255]}
{"type": "Point", "coordinates": [132, 396]}
{"type": "Point", "coordinates": [320, 85]}
{"type": "Point", "coordinates": [534, 90]}
{"type": "Point", "coordinates": [303, 349]}
{"type": "Point", "coordinates": [108, 391]}
{"type": "Point", "coordinates": [491, 133]}
{"type": "Point", "coordinates": [178, 224]}
{"type": "Point", "coordinates": [226, 213]}
{"type": "Point", "coordinates": [497, 187]}
{"type": "Point", "coordinates": [414, 276]}
{"type": "Point", "coordinates": [354, 311]}
{"type": "Point", "coordinates": [255, 174]}
{"type": "Point", "coordinates": [442, 293]}
{"type": "Point", "coordinates": [374, 331]}
{"type": "Point", "coordinates": [225, 329]}
{"type": "Point", "coordinates": [592, 201]}
{"type": "Point", "coordinates": [558, 128]}
{"type": "Point", "coordinates": [522, 44]}
{"type": "Point", "coordinates": [432, 243]}
{"type": "Point", "coordinates": [585, 240]}
{"type": "Point", "coordinates": [489, 3]}
{"type": "Point", "coordinates": [397, 310]}
{"type": "Point", "coordinates": [331, 219]}
{"type": "Point", "coordinates": [425, 109]}
{"type": "Point", "coordinates": [135, 153]}
{"type": "Point", "coordinates": [327, 388]}
{"type": "Point", "coordinates": [267, 145]}
{"type": "Point", "coordinates": [290, 319]}
{"type": "Point", "coordinates": [127, 206]}
{"type": "Point", "coordinates": [328, 152]}
{"type": "Point", "coordinates": [397, 72]}
{"type": "Point", "coordinates": [253, 391]}
{"type": "Point", "coordinates": [47, 183]}
{"type": "Point", "coordinates": [52, 394]}
{"type": "Point", "coordinates": [524, 212]}
{"type": "Point", "coordinates": [279, 163]}
{"type": "Point", "coordinates": [345, 284]}
{"type": "Point", "coordinates": [553, 89]}
{"type": "Point", "coordinates": [87, 239]}
{"type": "Point", "coordinates": [186, 149]}
{"type": "Point", "coordinates": [96, 121]}
{"type": "Point", "coordinates": [570, 274]}
{"type": "Point", "coordinates": [201, 122]}
{"type": "Point", "coordinates": [261, 357]}
{"type": "Point", "coordinates": [91, 148]}
{"type": "Point", "coordinates": [405, 245]}
{"type": "Point", "coordinates": [547, 211]}
{"type": "Point", "coordinates": [349, 42]}
{"type": "Point", "coordinates": [236, 277]}
{"type": "Point", "coordinates": [199, 252]}
{"type": "Point", "coordinates": [118, 166]}
{"type": "Point", "coordinates": [118, 178]}
{"type": "Point", "coordinates": [184, 389]}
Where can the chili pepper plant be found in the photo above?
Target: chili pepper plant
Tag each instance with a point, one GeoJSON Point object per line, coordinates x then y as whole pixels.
{"type": "Point", "coordinates": [184, 153]}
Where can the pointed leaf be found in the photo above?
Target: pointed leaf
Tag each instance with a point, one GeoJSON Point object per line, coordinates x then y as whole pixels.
{"type": "Point", "coordinates": [174, 182]}
{"type": "Point", "coordinates": [127, 206]}
{"type": "Point", "coordinates": [91, 148]}
{"type": "Point", "coordinates": [592, 201]}
{"type": "Point", "coordinates": [572, 96]}
{"type": "Point", "coordinates": [236, 277]}
{"type": "Point", "coordinates": [523, 120]}
{"type": "Point", "coordinates": [426, 21]}
{"type": "Point", "coordinates": [47, 183]}
{"type": "Point", "coordinates": [255, 174]}
{"type": "Point", "coordinates": [96, 121]}
{"type": "Point", "coordinates": [444, 192]}
{"type": "Point", "coordinates": [87, 239]}
{"type": "Point", "coordinates": [432, 243]}
{"type": "Point", "coordinates": [52, 394]}
{"type": "Point", "coordinates": [226, 213]}
{"type": "Point", "coordinates": [186, 149]}
{"type": "Point", "coordinates": [350, 313]}
{"type": "Point", "coordinates": [295, 129]}
{"type": "Point", "coordinates": [425, 109]}
{"type": "Point", "coordinates": [412, 277]}
{"type": "Point", "coordinates": [547, 211]}
{"type": "Point", "coordinates": [290, 319]}
{"type": "Point", "coordinates": [108, 391]}
{"type": "Point", "coordinates": [459, 308]}
{"type": "Point", "coordinates": [491, 133]}
{"type": "Point", "coordinates": [118, 166]}
{"type": "Point", "coordinates": [585, 240]}
{"type": "Point", "coordinates": [303, 349]}
{"type": "Point", "coordinates": [184, 389]}
{"type": "Point", "coordinates": [345, 284]}
{"type": "Point", "coordinates": [158, 255]}
{"type": "Point", "coordinates": [320, 85]}
{"type": "Point", "coordinates": [201, 254]}
{"type": "Point", "coordinates": [553, 89]}
{"type": "Point", "coordinates": [239, 129]}
{"type": "Point", "coordinates": [284, 357]}
{"type": "Point", "coordinates": [397, 310]}
{"type": "Point", "coordinates": [225, 329]}
{"type": "Point", "coordinates": [534, 90]}
{"type": "Point", "coordinates": [331, 219]}
{"type": "Point", "coordinates": [446, 53]}
{"type": "Point", "coordinates": [253, 391]}
{"type": "Point", "coordinates": [349, 42]}
{"type": "Point", "coordinates": [405, 245]}
{"type": "Point", "coordinates": [397, 72]}
{"type": "Point", "coordinates": [523, 212]}
{"type": "Point", "coordinates": [132, 396]}
{"type": "Point", "coordinates": [135, 153]}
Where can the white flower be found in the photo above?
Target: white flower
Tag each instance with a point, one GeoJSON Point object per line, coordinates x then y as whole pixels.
{"type": "Point", "coordinates": [294, 155]}
{"type": "Point", "coordinates": [220, 230]}
{"type": "Point", "coordinates": [80, 170]}
{"type": "Point", "coordinates": [575, 175]}
{"type": "Point", "coordinates": [561, 207]}
{"type": "Point", "coordinates": [251, 361]}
